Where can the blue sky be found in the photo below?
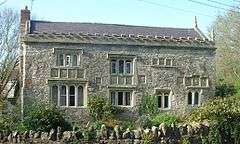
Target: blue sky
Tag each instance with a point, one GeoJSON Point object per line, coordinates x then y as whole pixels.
{"type": "Point", "coordinates": [163, 13]}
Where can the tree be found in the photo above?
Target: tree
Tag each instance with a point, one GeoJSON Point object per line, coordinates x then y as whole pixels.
{"type": "Point", "coordinates": [9, 43]}
{"type": "Point", "coordinates": [227, 39]}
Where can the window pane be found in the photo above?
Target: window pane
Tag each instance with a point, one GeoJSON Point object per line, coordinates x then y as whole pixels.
{"type": "Point", "coordinates": [54, 94]}
{"type": "Point", "coordinates": [80, 96]}
{"type": "Point", "coordinates": [168, 62]}
{"type": "Point", "coordinates": [188, 81]}
{"type": "Point", "coordinates": [63, 96]}
{"type": "Point", "coordinates": [161, 61]}
{"type": "Point", "coordinates": [166, 101]}
{"type": "Point", "coordinates": [128, 67]}
{"type": "Point", "coordinates": [196, 98]}
{"type": "Point", "coordinates": [113, 98]}
{"type": "Point", "coordinates": [61, 60]}
{"type": "Point", "coordinates": [128, 98]}
{"type": "Point", "coordinates": [159, 98]}
{"type": "Point", "coordinates": [120, 98]}
{"type": "Point", "coordinates": [196, 80]}
{"type": "Point", "coordinates": [113, 66]}
{"type": "Point", "coordinates": [190, 98]}
{"type": "Point", "coordinates": [68, 60]}
{"type": "Point", "coordinates": [72, 96]}
{"type": "Point", "coordinates": [121, 66]}
{"type": "Point", "coordinates": [155, 61]}
{"type": "Point", "coordinates": [74, 61]}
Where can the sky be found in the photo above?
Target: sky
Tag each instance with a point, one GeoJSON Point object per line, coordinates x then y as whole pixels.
{"type": "Point", "coordinates": [160, 13]}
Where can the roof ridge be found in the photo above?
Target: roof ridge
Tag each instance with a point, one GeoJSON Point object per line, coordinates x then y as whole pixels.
{"type": "Point", "coordinates": [124, 25]}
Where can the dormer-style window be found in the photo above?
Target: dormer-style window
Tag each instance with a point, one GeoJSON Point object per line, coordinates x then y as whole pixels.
{"type": "Point", "coordinates": [67, 60]}
{"type": "Point", "coordinates": [121, 66]}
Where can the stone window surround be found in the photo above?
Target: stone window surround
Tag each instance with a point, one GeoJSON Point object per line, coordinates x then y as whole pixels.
{"type": "Point", "coordinates": [144, 77]}
{"type": "Point", "coordinates": [84, 86]}
{"type": "Point", "coordinates": [165, 61]}
{"type": "Point", "coordinates": [162, 97]}
{"type": "Point", "coordinates": [70, 57]}
{"type": "Point", "coordinates": [67, 69]}
{"type": "Point", "coordinates": [126, 61]}
{"type": "Point", "coordinates": [132, 96]}
{"type": "Point", "coordinates": [193, 97]}
{"type": "Point", "coordinates": [199, 83]}
{"type": "Point", "coordinates": [68, 51]}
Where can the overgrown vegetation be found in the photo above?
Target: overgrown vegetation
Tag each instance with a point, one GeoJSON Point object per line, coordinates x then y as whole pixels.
{"type": "Point", "coordinates": [168, 119]}
{"type": "Point", "coordinates": [224, 89]}
{"type": "Point", "coordinates": [44, 117]}
{"type": "Point", "coordinates": [148, 105]}
{"type": "Point", "coordinates": [224, 116]}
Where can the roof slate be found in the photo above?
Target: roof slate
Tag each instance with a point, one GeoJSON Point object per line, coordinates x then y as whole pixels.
{"type": "Point", "coordinates": [93, 28]}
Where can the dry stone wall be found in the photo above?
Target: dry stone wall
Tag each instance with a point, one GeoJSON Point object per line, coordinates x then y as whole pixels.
{"type": "Point", "coordinates": [158, 135]}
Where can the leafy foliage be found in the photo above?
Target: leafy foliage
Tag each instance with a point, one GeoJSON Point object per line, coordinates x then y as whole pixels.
{"type": "Point", "coordinates": [100, 108]}
{"type": "Point", "coordinates": [148, 105]}
{"type": "Point", "coordinates": [224, 90]}
{"type": "Point", "coordinates": [224, 115]}
{"type": "Point", "coordinates": [144, 121]}
{"type": "Point", "coordinates": [164, 118]}
{"type": "Point", "coordinates": [44, 117]}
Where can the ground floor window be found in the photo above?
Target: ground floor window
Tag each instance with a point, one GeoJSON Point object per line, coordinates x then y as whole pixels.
{"type": "Point", "coordinates": [67, 95]}
{"type": "Point", "coordinates": [193, 98]}
{"type": "Point", "coordinates": [121, 98]}
{"type": "Point", "coordinates": [163, 99]}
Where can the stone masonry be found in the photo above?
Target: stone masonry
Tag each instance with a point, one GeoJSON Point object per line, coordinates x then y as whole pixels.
{"type": "Point", "coordinates": [174, 61]}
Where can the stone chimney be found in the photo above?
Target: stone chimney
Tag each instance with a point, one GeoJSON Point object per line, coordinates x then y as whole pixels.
{"type": "Point", "coordinates": [25, 18]}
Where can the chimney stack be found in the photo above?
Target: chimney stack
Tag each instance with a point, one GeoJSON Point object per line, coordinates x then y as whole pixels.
{"type": "Point", "coordinates": [25, 18]}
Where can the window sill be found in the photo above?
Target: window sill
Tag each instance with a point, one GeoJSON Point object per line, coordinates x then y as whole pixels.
{"type": "Point", "coordinates": [122, 86]}
{"type": "Point", "coordinates": [67, 79]}
{"type": "Point", "coordinates": [117, 74]}
{"type": "Point", "coordinates": [73, 107]}
{"type": "Point", "coordinates": [121, 106]}
{"type": "Point", "coordinates": [205, 87]}
{"type": "Point", "coordinates": [165, 66]}
{"type": "Point", "coordinates": [164, 109]}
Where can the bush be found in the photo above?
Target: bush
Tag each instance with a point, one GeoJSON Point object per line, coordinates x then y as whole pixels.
{"type": "Point", "coordinates": [44, 117]}
{"type": "Point", "coordinates": [148, 105]}
{"type": "Point", "coordinates": [164, 118]}
{"type": "Point", "coordinates": [224, 117]}
{"type": "Point", "coordinates": [224, 90]}
{"type": "Point", "coordinates": [100, 108]}
{"type": "Point", "coordinates": [144, 121]}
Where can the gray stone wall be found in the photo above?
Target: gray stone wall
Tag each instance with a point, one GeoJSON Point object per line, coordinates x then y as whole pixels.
{"type": "Point", "coordinates": [40, 58]}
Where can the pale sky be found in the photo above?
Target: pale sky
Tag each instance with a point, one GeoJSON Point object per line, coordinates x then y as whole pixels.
{"type": "Point", "coordinates": [162, 13]}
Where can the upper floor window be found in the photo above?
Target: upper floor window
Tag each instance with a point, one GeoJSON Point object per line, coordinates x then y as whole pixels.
{"type": "Point", "coordinates": [67, 60]}
{"type": "Point", "coordinates": [162, 61]}
{"type": "Point", "coordinates": [121, 66]}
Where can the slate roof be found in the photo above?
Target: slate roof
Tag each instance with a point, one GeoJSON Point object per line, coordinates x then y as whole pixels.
{"type": "Point", "coordinates": [98, 28]}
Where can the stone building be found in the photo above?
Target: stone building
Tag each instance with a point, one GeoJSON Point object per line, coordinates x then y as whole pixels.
{"type": "Point", "coordinates": [66, 63]}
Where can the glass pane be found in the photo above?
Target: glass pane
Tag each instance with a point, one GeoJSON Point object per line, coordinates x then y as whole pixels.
{"type": "Point", "coordinates": [121, 66]}
{"type": "Point", "coordinates": [61, 60]}
{"type": "Point", "coordinates": [63, 96]}
{"type": "Point", "coordinates": [74, 61]}
{"type": "Point", "coordinates": [196, 98]}
{"type": "Point", "coordinates": [128, 67]}
{"type": "Point", "coordinates": [128, 98]}
{"type": "Point", "coordinates": [72, 96]}
{"type": "Point", "coordinates": [80, 96]}
{"type": "Point", "coordinates": [155, 61]}
{"type": "Point", "coordinates": [113, 66]}
{"type": "Point", "coordinates": [68, 60]}
{"type": "Point", "coordinates": [168, 62]}
{"type": "Point", "coordinates": [120, 98]}
{"type": "Point", "coordinates": [161, 61]}
{"type": "Point", "coordinates": [55, 94]}
{"type": "Point", "coordinates": [196, 80]}
{"type": "Point", "coordinates": [190, 98]}
{"type": "Point", "coordinates": [159, 98]}
{"type": "Point", "coordinates": [113, 98]}
{"type": "Point", "coordinates": [166, 101]}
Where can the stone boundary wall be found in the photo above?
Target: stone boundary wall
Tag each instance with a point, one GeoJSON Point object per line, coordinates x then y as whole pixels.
{"type": "Point", "coordinates": [161, 135]}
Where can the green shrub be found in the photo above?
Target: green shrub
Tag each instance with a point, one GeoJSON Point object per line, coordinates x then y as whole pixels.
{"type": "Point", "coordinates": [224, 117]}
{"type": "Point", "coordinates": [44, 117]}
{"type": "Point", "coordinates": [144, 121]}
{"type": "Point", "coordinates": [100, 108]}
{"type": "Point", "coordinates": [164, 118]}
{"type": "Point", "coordinates": [225, 89]}
{"type": "Point", "coordinates": [148, 105]}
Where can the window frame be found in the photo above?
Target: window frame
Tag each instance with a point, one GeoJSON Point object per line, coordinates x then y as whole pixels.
{"type": "Point", "coordinates": [124, 69]}
{"type": "Point", "coordinates": [115, 101]}
{"type": "Point", "coordinates": [193, 98]}
{"type": "Point", "coordinates": [63, 57]}
{"type": "Point", "coordinates": [162, 94]}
